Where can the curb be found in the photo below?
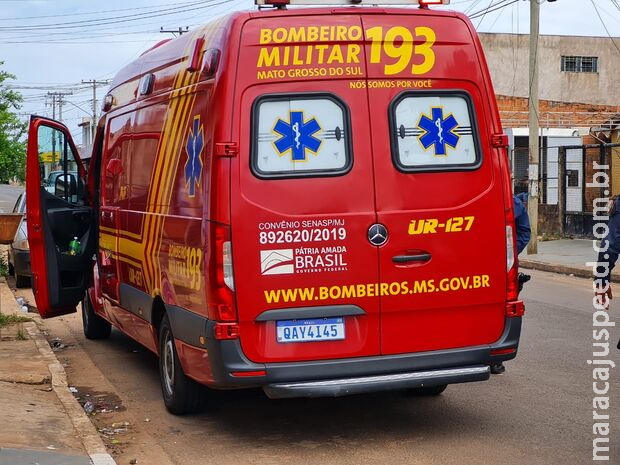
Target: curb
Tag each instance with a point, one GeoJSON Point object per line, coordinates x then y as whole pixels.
{"type": "Point", "coordinates": [563, 269]}
{"type": "Point", "coordinates": [81, 423]}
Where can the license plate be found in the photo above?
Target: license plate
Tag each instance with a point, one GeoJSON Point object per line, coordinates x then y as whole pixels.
{"type": "Point", "coordinates": [320, 329]}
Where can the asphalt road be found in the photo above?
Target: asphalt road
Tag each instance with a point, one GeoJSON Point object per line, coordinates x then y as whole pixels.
{"type": "Point", "coordinates": [538, 412]}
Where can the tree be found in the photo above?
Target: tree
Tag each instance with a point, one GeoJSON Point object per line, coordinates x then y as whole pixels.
{"type": "Point", "coordinates": [12, 130]}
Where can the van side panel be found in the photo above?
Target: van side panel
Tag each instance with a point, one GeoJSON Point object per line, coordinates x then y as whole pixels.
{"type": "Point", "coordinates": [161, 186]}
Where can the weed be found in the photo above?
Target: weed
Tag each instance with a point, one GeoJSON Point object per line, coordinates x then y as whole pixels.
{"type": "Point", "coordinates": [6, 320]}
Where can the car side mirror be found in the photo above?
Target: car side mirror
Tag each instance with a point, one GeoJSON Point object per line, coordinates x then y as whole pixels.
{"type": "Point", "coordinates": [60, 189]}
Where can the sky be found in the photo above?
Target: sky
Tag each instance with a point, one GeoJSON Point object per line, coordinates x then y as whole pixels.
{"type": "Point", "coordinates": [53, 45]}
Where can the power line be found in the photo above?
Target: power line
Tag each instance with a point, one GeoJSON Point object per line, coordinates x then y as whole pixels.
{"type": "Point", "coordinates": [496, 19]}
{"type": "Point", "coordinates": [491, 8]}
{"type": "Point", "coordinates": [105, 21]}
{"type": "Point", "coordinates": [74, 36]}
{"type": "Point", "coordinates": [515, 46]}
{"type": "Point", "coordinates": [471, 7]}
{"type": "Point", "coordinates": [484, 9]}
{"type": "Point", "coordinates": [484, 14]}
{"type": "Point", "coordinates": [604, 26]}
{"type": "Point", "coordinates": [84, 13]}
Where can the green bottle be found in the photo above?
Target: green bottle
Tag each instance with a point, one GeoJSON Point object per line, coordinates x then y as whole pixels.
{"type": "Point", "coordinates": [74, 246]}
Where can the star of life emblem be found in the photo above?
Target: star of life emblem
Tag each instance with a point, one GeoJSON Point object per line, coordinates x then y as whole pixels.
{"type": "Point", "coordinates": [297, 136]}
{"type": "Point", "coordinates": [438, 131]}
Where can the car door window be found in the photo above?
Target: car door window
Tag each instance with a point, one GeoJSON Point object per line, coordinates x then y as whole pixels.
{"type": "Point", "coordinates": [59, 169]}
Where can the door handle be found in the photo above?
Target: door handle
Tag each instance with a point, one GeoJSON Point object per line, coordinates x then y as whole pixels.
{"type": "Point", "coordinates": [81, 215]}
{"type": "Point", "coordinates": [421, 257]}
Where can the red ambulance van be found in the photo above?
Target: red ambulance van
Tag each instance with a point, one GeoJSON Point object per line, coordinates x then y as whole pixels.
{"type": "Point", "coordinates": [315, 201]}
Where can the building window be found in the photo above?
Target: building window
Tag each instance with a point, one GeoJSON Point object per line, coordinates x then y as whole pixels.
{"type": "Point", "coordinates": [580, 64]}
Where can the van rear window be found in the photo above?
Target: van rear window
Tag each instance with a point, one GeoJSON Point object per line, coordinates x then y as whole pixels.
{"type": "Point", "coordinates": [300, 136]}
{"type": "Point", "coordinates": [434, 132]}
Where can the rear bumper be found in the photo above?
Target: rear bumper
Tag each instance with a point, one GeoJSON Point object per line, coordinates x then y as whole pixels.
{"type": "Point", "coordinates": [363, 374]}
{"type": "Point", "coordinates": [348, 386]}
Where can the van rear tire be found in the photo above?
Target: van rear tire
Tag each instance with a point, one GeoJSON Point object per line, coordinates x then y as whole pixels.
{"type": "Point", "coordinates": [181, 394]}
{"type": "Point", "coordinates": [95, 327]}
{"type": "Point", "coordinates": [428, 391]}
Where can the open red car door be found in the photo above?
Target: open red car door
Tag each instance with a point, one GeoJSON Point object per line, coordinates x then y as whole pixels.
{"type": "Point", "coordinates": [57, 216]}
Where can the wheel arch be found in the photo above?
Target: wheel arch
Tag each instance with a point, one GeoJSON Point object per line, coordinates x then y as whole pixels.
{"type": "Point", "coordinates": [158, 310]}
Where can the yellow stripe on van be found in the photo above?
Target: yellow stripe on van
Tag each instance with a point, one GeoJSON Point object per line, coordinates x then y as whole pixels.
{"type": "Point", "coordinates": [107, 242]}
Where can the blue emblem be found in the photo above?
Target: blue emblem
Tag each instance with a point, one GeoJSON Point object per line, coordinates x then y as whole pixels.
{"type": "Point", "coordinates": [193, 166]}
{"type": "Point", "coordinates": [439, 131]}
{"type": "Point", "coordinates": [297, 136]}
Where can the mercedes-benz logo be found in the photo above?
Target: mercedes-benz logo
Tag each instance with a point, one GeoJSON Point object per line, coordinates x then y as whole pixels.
{"type": "Point", "coordinates": [377, 234]}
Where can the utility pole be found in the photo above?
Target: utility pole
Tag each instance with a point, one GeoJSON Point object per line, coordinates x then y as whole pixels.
{"type": "Point", "coordinates": [58, 99]}
{"type": "Point", "coordinates": [53, 96]}
{"type": "Point", "coordinates": [95, 83]}
{"type": "Point", "coordinates": [534, 155]}
{"type": "Point", "coordinates": [174, 32]}
{"type": "Point", "coordinates": [61, 102]}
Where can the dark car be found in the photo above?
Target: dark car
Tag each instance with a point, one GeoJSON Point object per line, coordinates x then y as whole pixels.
{"type": "Point", "coordinates": [19, 251]}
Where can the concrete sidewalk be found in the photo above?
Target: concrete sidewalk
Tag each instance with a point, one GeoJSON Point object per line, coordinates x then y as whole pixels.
{"type": "Point", "coordinates": [566, 256]}
{"type": "Point", "coordinates": [42, 422]}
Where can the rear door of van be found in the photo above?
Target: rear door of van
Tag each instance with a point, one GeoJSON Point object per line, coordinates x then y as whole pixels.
{"type": "Point", "coordinates": [302, 194]}
{"type": "Point", "coordinates": [437, 183]}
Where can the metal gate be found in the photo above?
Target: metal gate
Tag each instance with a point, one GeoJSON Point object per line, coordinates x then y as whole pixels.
{"type": "Point", "coordinates": [565, 193]}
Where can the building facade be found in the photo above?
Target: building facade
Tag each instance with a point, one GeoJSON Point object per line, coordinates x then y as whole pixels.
{"type": "Point", "coordinates": [579, 93]}
{"type": "Point", "coordinates": [571, 68]}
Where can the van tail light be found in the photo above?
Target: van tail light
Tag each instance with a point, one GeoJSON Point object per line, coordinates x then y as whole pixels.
{"type": "Point", "coordinates": [510, 248]}
{"type": "Point", "coordinates": [220, 296]}
{"type": "Point", "coordinates": [510, 350]}
{"type": "Point", "coordinates": [515, 309]}
{"type": "Point", "coordinates": [512, 275]}
{"type": "Point", "coordinates": [223, 331]}
{"type": "Point", "coordinates": [512, 270]}
{"type": "Point", "coordinates": [246, 374]}
{"type": "Point", "coordinates": [229, 280]}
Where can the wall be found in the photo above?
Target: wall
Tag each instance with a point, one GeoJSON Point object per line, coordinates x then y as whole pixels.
{"type": "Point", "coordinates": [507, 57]}
{"type": "Point", "coordinates": [615, 163]}
{"type": "Point", "coordinates": [593, 155]}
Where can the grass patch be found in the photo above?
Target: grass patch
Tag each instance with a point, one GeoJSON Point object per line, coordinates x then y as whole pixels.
{"type": "Point", "coordinates": [6, 320]}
